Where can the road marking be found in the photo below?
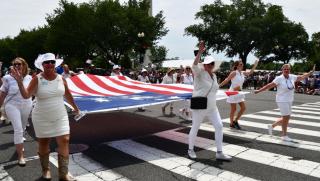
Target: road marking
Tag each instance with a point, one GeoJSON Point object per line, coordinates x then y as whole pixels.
{"type": "Point", "coordinates": [174, 163]}
{"type": "Point", "coordinates": [306, 108]}
{"type": "Point", "coordinates": [308, 145]}
{"type": "Point", "coordinates": [263, 157]}
{"type": "Point", "coordinates": [293, 115]}
{"type": "Point", "coordinates": [268, 118]}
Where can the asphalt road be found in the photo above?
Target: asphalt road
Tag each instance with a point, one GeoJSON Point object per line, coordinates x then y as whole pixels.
{"type": "Point", "coordinates": [104, 134]}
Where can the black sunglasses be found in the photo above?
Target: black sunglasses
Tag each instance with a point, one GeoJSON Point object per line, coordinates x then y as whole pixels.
{"type": "Point", "coordinates": [49, 61]}
{"type": "Point", "coordinates": [17, 64]}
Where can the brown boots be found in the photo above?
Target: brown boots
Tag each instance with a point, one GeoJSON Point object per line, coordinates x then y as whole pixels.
{"type": "Point", "coordinates": [63, 163]}
{"type": "Point", "coordinates": [44, 160]}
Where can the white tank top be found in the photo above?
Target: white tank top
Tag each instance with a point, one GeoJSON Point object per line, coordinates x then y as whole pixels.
{"type": "Point", "coordinates": [237, 81]}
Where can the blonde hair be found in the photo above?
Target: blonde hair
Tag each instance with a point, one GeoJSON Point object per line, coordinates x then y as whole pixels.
{"type": "Point", "coordinates": [286, 65]}
{"type": "Point", "coordinates": [25, 67]}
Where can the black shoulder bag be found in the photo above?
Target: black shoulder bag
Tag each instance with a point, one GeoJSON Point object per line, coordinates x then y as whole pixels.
{"type": "Point", "coordinates": [200, 102]}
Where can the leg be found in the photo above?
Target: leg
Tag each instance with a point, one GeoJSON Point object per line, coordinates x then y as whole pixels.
{"type": "Point", "coordinates": [242, 110]}
{"type": "Point", "coordinates": [13, 114]}
{"type": "Point", "coordinates": [63, 157]}
{"type": "Point", "coordinates": [164, 108]}
{"type": "Point", "coordinates": [218, 126]}
{"type": "Point", "coordinates": [233, 108]}
{"type": "Point", "coordinates": [285, 122]}
{"type": "Point", "coordinates": [197, 118]}
{"type": "Point", "coordinates": [43, 153]}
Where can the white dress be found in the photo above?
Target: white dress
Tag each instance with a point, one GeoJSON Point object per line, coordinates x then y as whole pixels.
{"type": "Point", "coordinates": [236, 81]}
{"type": "Point", "coordinates": [49, 116]}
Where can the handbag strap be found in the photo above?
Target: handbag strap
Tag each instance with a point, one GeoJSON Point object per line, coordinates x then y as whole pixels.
{"type": "Point", "coordinates": [210, 87]}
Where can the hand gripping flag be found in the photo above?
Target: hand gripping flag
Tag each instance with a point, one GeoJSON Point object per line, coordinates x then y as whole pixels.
{"type": "Point", "coordinates": [95, 94]}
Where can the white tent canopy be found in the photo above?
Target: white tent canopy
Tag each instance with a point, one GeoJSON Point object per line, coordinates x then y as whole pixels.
{"type": "Point", "coordinates": [177, 63]}
{"type": "Point", "coordinates": [184, 63]}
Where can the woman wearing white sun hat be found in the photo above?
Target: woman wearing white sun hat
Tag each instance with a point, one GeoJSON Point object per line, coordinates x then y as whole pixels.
{"type": "Point", "coordinates": [49, 116]}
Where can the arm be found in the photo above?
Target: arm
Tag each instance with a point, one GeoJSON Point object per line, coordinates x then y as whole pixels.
{"type": "Point", "coordinates": [266, 87]}
{"type": "Point", "coordinates": [202, 48]}
{"type": "Point", "coordinates": [231, 75]}
{"type": "Point", "coordinates": [305, 75]}
{"type": "Point", "coordinates": [69, 97]}
{"type": "Point", "coordinates": [25, 93]}
{"type": "Point", "coordinates": [253, 68]}
{"type": "Point", "coordinates": [2, 97]}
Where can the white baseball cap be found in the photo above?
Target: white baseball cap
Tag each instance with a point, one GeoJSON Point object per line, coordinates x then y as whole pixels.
{"type": "Point", "coordinates": [208, 60]}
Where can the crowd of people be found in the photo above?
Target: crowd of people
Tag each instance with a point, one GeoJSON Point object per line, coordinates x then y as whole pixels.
{"type": "Point", "coordinates": [48, 88]}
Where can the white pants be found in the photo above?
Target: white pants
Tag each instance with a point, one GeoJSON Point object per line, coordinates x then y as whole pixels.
{"type": "Point", "coordinates": [18, 114]}
{"type": "Point", "coordinates": [214, 117]}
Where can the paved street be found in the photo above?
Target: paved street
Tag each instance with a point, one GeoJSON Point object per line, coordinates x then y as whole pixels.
{"type": "Point", "coordinates": [132, 145]}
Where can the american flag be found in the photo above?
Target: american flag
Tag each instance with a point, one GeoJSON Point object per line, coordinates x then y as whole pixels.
{"type": "Point", "coordinates": [94, 93]}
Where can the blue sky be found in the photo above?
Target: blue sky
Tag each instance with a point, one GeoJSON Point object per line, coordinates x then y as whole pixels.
{"type": "Point", "coordinates": [27, 14]}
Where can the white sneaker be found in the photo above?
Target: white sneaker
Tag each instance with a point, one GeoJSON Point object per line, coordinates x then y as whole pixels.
{"type": "Point", "coordinates": [24, 139]}
{"type": "Point", "coordinates": [192, 154]}
{"type": "Point", "coordinates": [270, 128]}
{"type": "Point", "coordinates": [221, 156]}
{"type": "Point", "coordinates": [286, 138]}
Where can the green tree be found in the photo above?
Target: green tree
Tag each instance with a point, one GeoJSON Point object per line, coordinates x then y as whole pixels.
{"type": "Point", "coordinates": [314, 55]}
{"type": "Point", "coordinates": [7, 51]}
{"type": "Point", "coordinates": [158, 54]}
{"type": "Point", "coordinates": [246, 26]}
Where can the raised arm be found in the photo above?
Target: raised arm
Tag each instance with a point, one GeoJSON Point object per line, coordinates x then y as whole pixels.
{"type": "Point", "coordinates": [202, 48]}
{"type": "Point", "coordinates": [266, 87]}
{"type": "Point", "coordinates": [69, 97]}
{"type": "Point", "coordinates": [231, 75]}
{"type": "Point", "coordinates": [305, 75]}
{"type": "Point", "coordinates": [31, 89]}
{"type": "Point", "coordinates": [253, 68]}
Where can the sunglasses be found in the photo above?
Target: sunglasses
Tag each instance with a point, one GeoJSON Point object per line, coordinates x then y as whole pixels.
{"type": "Point", "coordinates": [49, 61]}
{"type": "Point", "coordinates": [17, 64]}
{"type": "Point", "coordinates": [188, 68]}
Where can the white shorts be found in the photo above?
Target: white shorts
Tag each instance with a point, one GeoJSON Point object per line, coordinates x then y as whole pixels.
{"type": "Point", "coordinates": [285, 108]}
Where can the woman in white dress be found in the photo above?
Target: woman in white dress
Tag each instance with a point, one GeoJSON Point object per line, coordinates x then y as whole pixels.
{"type": "Point", "coordinates": [285, 84]}
{"type": "Point", "coordinates": [49, 116]}
{"type": "Point", "coordinates": [16, 107]}
{"type": "Point", "coordinates": [237, 77]}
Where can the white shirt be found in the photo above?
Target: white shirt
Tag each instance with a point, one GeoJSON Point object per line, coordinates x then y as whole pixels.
{"type": "Point", "coordinates": [169, 79]}
{"type": "Point", "coordinates": [203, 83]}
{"type": "Point", "coordinates": [187, 79]}
{"type": "Point", "coordinates": [10, 86]}
{"type": "Point", "coordinates": [143, 79]}
{"type": "Point", "coordinates": [285, 88]}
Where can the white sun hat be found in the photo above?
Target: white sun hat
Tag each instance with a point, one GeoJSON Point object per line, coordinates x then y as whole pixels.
{"type": "Point", "coordinates": [208, 60]}
{"type": "Point", "coordinates": [116, 67]}
{"type": "Point", "coordinates": [44, 57]}
{"type": "Point", "coordinates": [144, 70]}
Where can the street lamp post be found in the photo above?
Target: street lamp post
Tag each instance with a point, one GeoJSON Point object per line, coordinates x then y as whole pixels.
{"type": "Point", "coordinates": [141, 48]}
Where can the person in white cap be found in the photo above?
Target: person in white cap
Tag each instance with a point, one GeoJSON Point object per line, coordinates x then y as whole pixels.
{"type": "Point", "coordinates": [169, 78]}
{"type": "Point", "coordinates": [237, 78]}
{"type": "Point", "coordinates": [144, 76]}
{"type": "Point", "coordinates": [16, 107]}
{"type": "Point", "coordinates": [116, 70]}
{"type": "Point", "coordinates": [206, 85]}
{"type": "Point", "coordinates": [49, 115]}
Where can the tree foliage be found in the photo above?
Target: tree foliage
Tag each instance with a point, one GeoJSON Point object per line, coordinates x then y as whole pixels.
{"type": "Point", "coordinates": [249, 26]}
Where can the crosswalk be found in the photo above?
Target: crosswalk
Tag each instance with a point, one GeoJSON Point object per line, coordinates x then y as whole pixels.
{"type": "Point", "coordinates": [162, 156]}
